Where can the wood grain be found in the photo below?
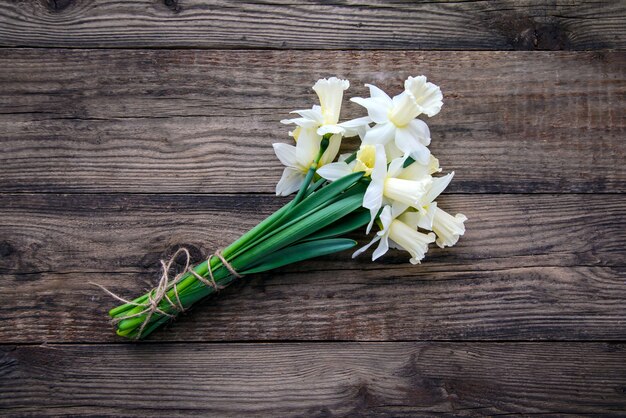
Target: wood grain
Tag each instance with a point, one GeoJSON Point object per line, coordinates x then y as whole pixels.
{"type": "Point", "coordinates": [315, 379]}
{"type": "Point", "coordinates": [284, 24]}
{"type": "Point", "coordinates": [204, 121]}
{"type": "Point", "coordinates": [529, 267]}
{"type": "Point", "coordinates": [509, 304]}
{"type": "Point", "coordinates": [130, 233]}
{"type": "Point", "coordinates": [113, 157]}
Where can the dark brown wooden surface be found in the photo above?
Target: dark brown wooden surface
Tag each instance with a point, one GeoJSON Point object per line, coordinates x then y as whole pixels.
{"type": "Point", "coordinates": [315, 24]}
{"type": "Point", "coordinates": [554, 281]}
{"type": "Point", "coordinates": [203, 121]}
{"type": "Point", "coordinates": [403, 379]}
{"type": "Point", "coordinates": [129, 129]}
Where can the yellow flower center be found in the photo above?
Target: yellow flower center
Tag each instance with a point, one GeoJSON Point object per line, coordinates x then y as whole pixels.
{"type": "Point", "coordinates": [365, 159]}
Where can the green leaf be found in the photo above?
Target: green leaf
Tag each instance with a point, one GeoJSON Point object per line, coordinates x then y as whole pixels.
{"type": "Point", "coordinates": [285, 227]}
{"type": "Point", "coordinates": [318, 183]}
{"type": "Point", "coordinates": [354, 190]}
{"type": "Point", "coordinates": [300, 252]}
{"type": "Point", "coordinates": [347, 224]}
{"type": "Point", "coordinates": [314, 202]}
{"type": "Point", "coordinates": [258, 230]}
{"type": "Point", "coordinates": [325, 194]}
{"type": "Point", "coordinates": [295, 232]}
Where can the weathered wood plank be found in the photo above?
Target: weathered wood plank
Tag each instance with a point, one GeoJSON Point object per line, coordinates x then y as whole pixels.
{"type": "Point", "coordinates": [204, 121]}
{"type": "Point", "coordinates": [130, 233]}
{"type": "Point", "coordinates": [338, 379]}
{"type": "Point", "coordinates": [510, 304]}
{"type": "Point", "coordinates": [529, 267]}
{"type": "Point", "coordinates": [283, 24]}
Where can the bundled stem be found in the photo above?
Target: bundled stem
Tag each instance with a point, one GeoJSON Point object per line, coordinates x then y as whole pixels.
{"type": "Point", "coordinates": [306, 227]}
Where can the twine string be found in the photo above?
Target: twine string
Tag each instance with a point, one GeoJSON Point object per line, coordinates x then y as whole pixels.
{"type": "Point", "coordinates": [166, 283]}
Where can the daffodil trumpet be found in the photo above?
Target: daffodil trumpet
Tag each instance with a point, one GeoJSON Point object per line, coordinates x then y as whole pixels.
{"type": "Point", "coordinates": [390, 181]}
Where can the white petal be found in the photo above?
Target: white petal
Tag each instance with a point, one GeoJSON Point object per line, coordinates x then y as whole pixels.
{"type": "Point", "coordinates": [334, 171]}
{"type": "Point", "coordinates": [377, 109]}
{"type": "Point", "coordinates": [286, 154]}
{"type": "Point", "coordinates": [355, 123]}
{"type": "Point", "coordinates": [410, 218]}
{"type": "Point", "coordinates": [392, 151]}
{"type": "Point", "coordinates": [426, 216]}
{"type": "Point", "coordinates": [427, 95]}
{"type": "Point", "coordinates": [307, 147]}
{"type": "Point", "coordinates": [411, 146]}
{"type": "Point", "coordinates": [395, 245]}
{"type": "Point", "coordinates": [330, 93]}
{"type": "Point", "coordinates": [380, 134]}
{"type": "Point", "coordinates": [332, 150]}
{"type": "Point", "coordinates": [448, 228]}
{"type": "Point", "coordinates": [405, 140]}
{"type": "Point", "coordinates": [420, 219]}
{"type": "Point", "coordinates": [416, 243]}
{"type": "Point", "coordinates": [377, 93]}
{"type": "Point", "coordinates": [421, 154]}
{"type": "Point", "coordinates": [373, 200]}
{"type": "Point", "coordinates": [313, 114]}
{"type": "Point", "coordinates": [409, 192]}
{"type": "Point", "coordinates": [366, 247]}
{"type": "Point", "coordinates": [397, 208]}
{"type": "Point", "coordinates": [395, 166]}
{"type": "Point", "coordinates": [356, 126]}
{"type": "Point", "coordinates": [382, 248]}
{"type": "Point", "coordinates": [290, 182]}
{"type": "Point", "coordinates": [386, 218]}
{"type": "Point", "coordinates": [433, 165]}
{"type": "Point", "coordinates": [330, 129]}
{"type": "Point", "coordinates": [404, 109]}
{"type": "Point", "coordinates": [303, 122]}
{"type": "Point", "coordinates": [438, 185]}
{"type": "Point", "coordinates": [420, 130]}
{"type": "Point", "coordinates": [415, 171]}
{"type": "Point", "coordinates": [379, 171]}
{"type": "Point", "coordinates": [363, 130]}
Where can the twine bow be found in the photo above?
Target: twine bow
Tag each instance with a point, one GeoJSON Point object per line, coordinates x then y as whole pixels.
{"type": "Point", "coordinates": [167, 283]}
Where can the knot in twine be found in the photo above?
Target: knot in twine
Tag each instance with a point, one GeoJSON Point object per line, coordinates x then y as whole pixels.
{"type": "Point", "coordinates": [166, 283]}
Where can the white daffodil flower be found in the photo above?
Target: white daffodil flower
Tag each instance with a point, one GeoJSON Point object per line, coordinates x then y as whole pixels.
{"type": "Point", "coordinates": [447, 227]}
{"type": "Point", "coordinates": [429, 216]}
{"type": "Point", "coordinates": [396, 118]}
{"type": "Point", "coordinates": [325, 118]}
{"type": "Point", "coordinates": [298, 159]}
{"type": "Point", "coordinates": [365, 161]}
{"type": "Point", "coordinates": [401, 187]}
{"type": "Point", "coordinates": [399, 232]}
{"type": "Point", "coordinates": [427, 206]}
{"type": "Point", "coordinates": [417, 171]}
{"type": "Point", "coordinates": [388, 187]}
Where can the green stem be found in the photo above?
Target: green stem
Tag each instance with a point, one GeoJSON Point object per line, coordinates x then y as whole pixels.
{"type": "Point", "coordinates": [314, 165]}
{"type": "Point", "coordinates": [319, 182]}
{"type": "Point", "coordinates": [350, 158]}
{"type": "Point", "coordinates": [265, 238]}
{"type": "Point", "coordinates": [301, 194]}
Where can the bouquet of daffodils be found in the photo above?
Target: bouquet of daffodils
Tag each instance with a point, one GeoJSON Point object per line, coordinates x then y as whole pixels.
{"type": "Point", "coordinates": [389, 181]}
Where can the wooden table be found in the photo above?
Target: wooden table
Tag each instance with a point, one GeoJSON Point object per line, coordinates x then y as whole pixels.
{"type": "Point", "coordinates": [129, 129]}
